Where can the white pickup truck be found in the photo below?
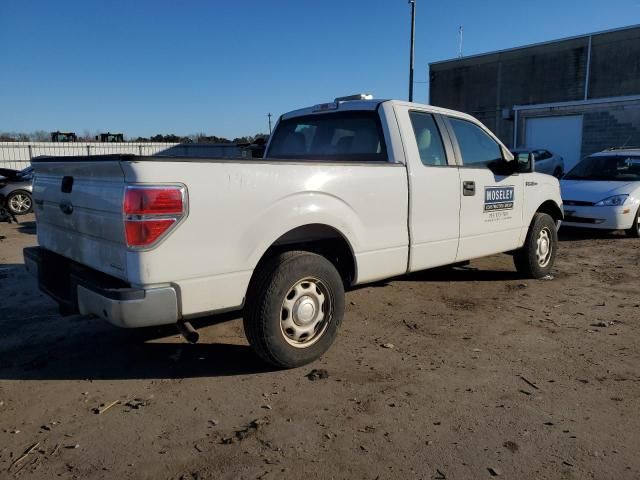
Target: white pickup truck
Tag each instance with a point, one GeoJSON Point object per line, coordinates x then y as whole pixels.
{"type": "Point", "coordinates": [348, 192]}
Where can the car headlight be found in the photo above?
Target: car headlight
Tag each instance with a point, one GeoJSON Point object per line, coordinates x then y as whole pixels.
{"type": "Point", "coordinates": [614, 201]}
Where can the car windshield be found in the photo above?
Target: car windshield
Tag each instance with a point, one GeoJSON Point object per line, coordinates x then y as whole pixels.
{"type": "Point", "coordinates": [350, 136]}
{"type": "Point", "coordinates": [617, 168]}
{"type": "Point", "coordinates": [25, 174]}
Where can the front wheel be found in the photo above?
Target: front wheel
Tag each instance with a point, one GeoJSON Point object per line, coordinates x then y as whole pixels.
{"type": "Point", "coordinates": [535, 259]}
{"type": "Point", "coordinates": [295, 305]}
{"type": "Point", "coordinates": [19, 202]}
{"type": "Point", "coordinates": [634, 231]}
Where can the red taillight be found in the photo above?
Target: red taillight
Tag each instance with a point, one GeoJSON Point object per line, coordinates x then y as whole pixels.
{"type": "Point", "coordinates": [141, 233]}
{"type": "Point", "coordinates": [150, 212]}
{"type": "Point", "coordinates": [153, 201]}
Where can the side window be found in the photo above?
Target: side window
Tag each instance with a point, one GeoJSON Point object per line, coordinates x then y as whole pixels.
{"type": "Point", "coordinates": [476, 147]}
{"type": "Point", "coordinates": [428, 139]}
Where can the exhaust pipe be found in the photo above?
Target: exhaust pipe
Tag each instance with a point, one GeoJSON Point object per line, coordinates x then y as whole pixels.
{"type": "Point", "coordinates": [188, 332]}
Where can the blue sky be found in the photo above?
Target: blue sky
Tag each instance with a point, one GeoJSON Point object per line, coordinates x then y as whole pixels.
{"type": "Point", "coordinates": [219, 66]}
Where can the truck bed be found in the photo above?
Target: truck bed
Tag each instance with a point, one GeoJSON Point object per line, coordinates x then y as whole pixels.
{"type": "Point", "coordinates": [237, 209]}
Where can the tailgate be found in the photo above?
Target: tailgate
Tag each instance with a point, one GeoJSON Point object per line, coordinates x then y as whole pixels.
{"type": "Point", "coordinates": [78, 207]}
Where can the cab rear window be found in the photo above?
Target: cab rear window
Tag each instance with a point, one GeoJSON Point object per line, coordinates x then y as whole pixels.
{"type": "Point", "coordinates": [341, 136]}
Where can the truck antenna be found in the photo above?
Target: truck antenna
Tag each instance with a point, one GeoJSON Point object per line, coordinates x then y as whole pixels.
{"type": "Point", "coordinates": [411, 48]}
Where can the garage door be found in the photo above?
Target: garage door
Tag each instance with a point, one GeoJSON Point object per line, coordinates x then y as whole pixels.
{"type": "Point", "coordinates": [561, 135]}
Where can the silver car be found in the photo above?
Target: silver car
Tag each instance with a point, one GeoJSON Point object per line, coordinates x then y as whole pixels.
{"type": "Point", "coordinates": [603, 191]}
{"type": "Point", "coordinates": [15, 190]}
{"type": "Point", "coordinates": [545, 161]}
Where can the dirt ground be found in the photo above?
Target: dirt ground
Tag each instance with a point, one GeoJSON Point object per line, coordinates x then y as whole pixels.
{"type": "Point", "coordinates": [489, 375]}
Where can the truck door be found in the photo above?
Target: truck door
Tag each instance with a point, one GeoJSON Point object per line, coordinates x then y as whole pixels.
{"type": "Point", "coordinates": [491, 204]}
{"type": "Point", "coordinates": [434, 193]}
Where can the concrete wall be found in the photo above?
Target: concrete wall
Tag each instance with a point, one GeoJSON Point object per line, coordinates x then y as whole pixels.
{"type": "Point", "coordinates": [488, 86]}
{"type": "Point", "coordinates": [615, 64]}
{"type": "Point", "coordinates": [18, 155]}
{"type": "Point", "coordinates": [610, 127]}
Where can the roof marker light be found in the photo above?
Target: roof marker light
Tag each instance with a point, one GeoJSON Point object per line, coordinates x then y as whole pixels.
{"type": "Point", "coordinates": [357, 96]}
{"type": "Point", "coordinates": [323, 107]}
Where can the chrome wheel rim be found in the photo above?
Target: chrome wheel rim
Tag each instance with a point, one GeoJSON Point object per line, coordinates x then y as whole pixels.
{"type": "Point", "coordinates": [20, 203]}
{"type": "Point", "coordinates": [305, 312]}
{"type": "Point", "coordinates": [544, 247]}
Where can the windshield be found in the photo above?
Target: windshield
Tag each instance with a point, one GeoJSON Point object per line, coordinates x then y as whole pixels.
{"type": "Point", "coordinates": [342, 136]}
{"type": "Point", "coordinates": [617, 168]}
{"type": "Point", "coordinates": [26, 174]}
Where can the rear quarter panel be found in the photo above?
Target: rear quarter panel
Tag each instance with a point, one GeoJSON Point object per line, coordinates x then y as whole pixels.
{"type": "Point", "coordinates": [237, 209]}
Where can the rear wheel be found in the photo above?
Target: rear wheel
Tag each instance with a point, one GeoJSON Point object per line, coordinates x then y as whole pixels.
{"type": "Point", "coordinates": [295, 305]}
{"type": "Point", "coordinates": [535, 259]}
{"type": "Point", "coordinates": [19, 202]}
{"type": "Point", "coordinates": [634, 231]}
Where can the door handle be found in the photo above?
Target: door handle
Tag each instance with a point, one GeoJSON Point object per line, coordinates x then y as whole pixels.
{"type": "Point", "coordinates": [67, 184]}
{"type": "Point", "coordinates": [468, 189]}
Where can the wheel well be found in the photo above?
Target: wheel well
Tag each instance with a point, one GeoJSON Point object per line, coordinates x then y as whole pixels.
{"type": "Point", "coordinates": [552, 209]}
{"type": "Point", "coordinates": [18, 190]}
{"type": "Point", "coordinates": [322, 240]}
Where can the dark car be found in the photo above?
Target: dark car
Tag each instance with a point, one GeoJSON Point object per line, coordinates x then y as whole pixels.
{"type": "Point", "coordinates": [15, 190]}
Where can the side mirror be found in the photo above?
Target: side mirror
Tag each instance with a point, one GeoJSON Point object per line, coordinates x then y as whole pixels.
{"type": "Point", "coordinates": [525, 162]}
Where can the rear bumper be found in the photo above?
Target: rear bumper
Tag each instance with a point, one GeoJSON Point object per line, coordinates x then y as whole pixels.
{"type": "Point", "coordinates": [79, 289]}
{"type": "Point", "coordinates": [608, 218]}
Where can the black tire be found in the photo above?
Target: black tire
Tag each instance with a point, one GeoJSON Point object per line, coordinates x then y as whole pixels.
{"type": "Point", "coordinates": [13, 196]}
{"type": "Point", "coordinates": [271, 326]}
{"type": "Point", "coordinates": [532, 261]}
{"type": "Point", "coordinates": [634, 231]}
{"type": "Point", "coordinates": [558, 173]}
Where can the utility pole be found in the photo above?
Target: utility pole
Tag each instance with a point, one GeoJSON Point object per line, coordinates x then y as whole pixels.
{"type": "Point", "coordinates": [460, 42]}
{"type": "Point", "coordinates": [413, 28]}
{"type": "Point", "coordinates": [269, 115]}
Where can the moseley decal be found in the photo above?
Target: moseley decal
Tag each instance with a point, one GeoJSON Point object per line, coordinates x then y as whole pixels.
{"type": "Point", "coordinates": [498, 198]}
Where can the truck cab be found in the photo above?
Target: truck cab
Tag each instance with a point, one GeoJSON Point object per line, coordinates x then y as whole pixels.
{"type": "Point", "coordinates": [63, 137]}
{"type": "Point", "coordinates": [468, 196]}
{"type": "Point", "coordinates": [110, 137]}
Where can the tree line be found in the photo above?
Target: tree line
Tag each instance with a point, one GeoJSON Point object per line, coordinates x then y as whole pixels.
{"type": "Point", "coordinates": [44, 136]}
{"type": "Point", "coordinates": [202, 138]}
